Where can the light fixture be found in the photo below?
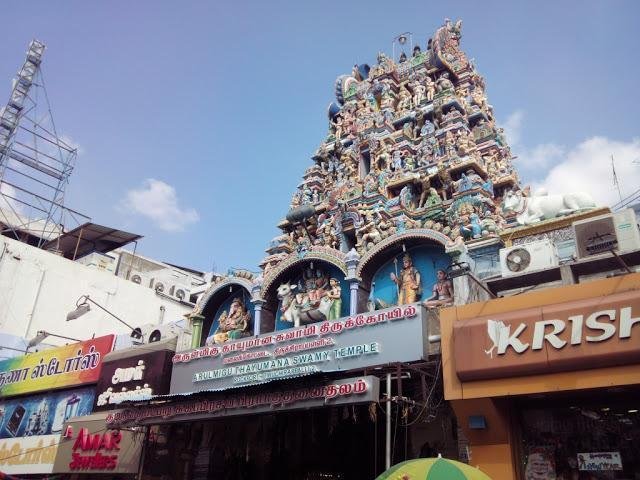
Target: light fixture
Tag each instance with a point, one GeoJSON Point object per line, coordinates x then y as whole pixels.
{"type": "Point", "coordinates": [41, 335]}
{"type": "Point", "coordinates": [83, 306]}
{"type": "Point", "coordinates": [605, 409]}
{"type": "Point", "coordinates": [402, 39]}
{"type": "Point", "coordinates": [633, 410]}
{"type": "Point", "coordinates": [79, 311]}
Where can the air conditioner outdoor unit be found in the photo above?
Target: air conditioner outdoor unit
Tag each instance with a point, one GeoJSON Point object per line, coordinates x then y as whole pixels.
{"type": "Point", "coordinates": [140, 278]}
{"type": "Point", "coordinates": [180, 293]}
{"type": "Point", "coordinates": [528, 257]}
{"type": "Point", "coordinates": [155, 333]}
{"type": "Point", "coordinates": [167, 286]}
{"type": "Point", "coordinates": [613, 231]}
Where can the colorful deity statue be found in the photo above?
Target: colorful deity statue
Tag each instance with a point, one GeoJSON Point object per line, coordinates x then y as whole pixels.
{"type": "Point", "coordinates": [232, 324]}
{"type": "Point", "coordinates": [478, 98]}
{"type": "Point", "coordinates": [425, 185]}
{"type": "Point", "coordinates": [465, 142]}
{"type": "Point", "coordinates": [430, 86]}
{"type": "Point", "coordinates": [442, 292]}
{"type": "Point", "coordinates": [419, 92]}
{"type": "Point", "coordinates": [396, 162]}
{"type": "Point", "coordinates": [335, 295]}
{"type": "Point", "coordinates": [443, 83]}
{"type": "Point", "coordinates": [427, 128]}
{"type": "Point", "coordinates": [450, 144]}
{"type": "Point", "coordinates": [404, 100]}
{"type": "Point", "coordinates": [367, 233]}
{"type": "Point", "coordinates": [407, 282]}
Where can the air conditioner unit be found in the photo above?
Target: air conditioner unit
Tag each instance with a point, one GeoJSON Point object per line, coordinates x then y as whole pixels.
{"type": "Point", "coordinates": [613, 231]}
{"type": "Point", "coordinates": [528, 257]}
{"type": "Point", "coordinates": [140, 278]}
{"type": "Point", "coordinates": [155, 333]}
{"type": "Point", "coordinates": [180, 293]}
{"type": "Point", "coordinates": [160, 286]}
{"type": "Point", "coordinates": [168, 287]}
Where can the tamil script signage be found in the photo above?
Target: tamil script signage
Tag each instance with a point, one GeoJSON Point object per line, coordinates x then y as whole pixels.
{"type": "Point", "coordinates": [88, 446]}
{"type": "Point", "coordinates": [28, 455]}
{"type": "Point", "coordinates": [384, 336]}
{"type": "Point", "coordinates": [136, 377]}
{"type": "Point", "coordinates": [74, 364]}
{"type": "Point", "coordinates": [591, 333]}
{"type": "Point", "coordinates": [339, 392]}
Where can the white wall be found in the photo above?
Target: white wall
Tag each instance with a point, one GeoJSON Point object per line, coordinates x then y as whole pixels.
{"type": "Point", "coordinates": [38, 289]}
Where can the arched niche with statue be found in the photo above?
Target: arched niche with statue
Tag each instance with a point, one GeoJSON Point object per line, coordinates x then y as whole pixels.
{"type": "Point", "coordinates": [308, 291]}
{"type": "Point", "coordinates": [228, 313]}
{"type": "Point", "coordinates": [404, 271]}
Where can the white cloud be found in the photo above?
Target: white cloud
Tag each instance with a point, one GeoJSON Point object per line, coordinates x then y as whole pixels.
{"type": "Point", "coordinates": [587, 168]}
{"type": "Point", "coordinates": [513, 128]}
{"type": "Point", "coordinates": [534, 162]}
{"type": "Point", "coordinates": [158, 201]}
{"type": "Point", "coordinates": [583, 167]}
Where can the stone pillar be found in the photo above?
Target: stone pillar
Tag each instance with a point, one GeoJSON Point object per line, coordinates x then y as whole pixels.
{"type": "Point", "coordinates": [257, 316]}
{"type": "Point", "coordinates": [352, 260]}
{"type": "Point", "coordinates": [354, 285]}
{"type": "Point", "coordinates": [258, 302]}
{"type": "Point", "coordinates": [196, 329]}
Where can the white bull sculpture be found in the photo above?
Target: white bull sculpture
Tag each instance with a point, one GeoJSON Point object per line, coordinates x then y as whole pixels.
{"type": "Point", "coordinates": [301, 310]}
{"type": "Point", "coordinates": [542, 206]}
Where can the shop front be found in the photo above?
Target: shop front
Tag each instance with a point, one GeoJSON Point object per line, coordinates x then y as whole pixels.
{"type": "Point", "coordinates": [545, 384]}
{"type": "Point", "coordinates": [87, 448]}
{"type": "Point", "coordinates": [39, 392]}
{"type": "Point", "coordinates": [304, 403]}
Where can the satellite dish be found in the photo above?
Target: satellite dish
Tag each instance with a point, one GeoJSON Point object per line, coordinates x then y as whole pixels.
{"type": "Point", "coordinates": [518, 260]}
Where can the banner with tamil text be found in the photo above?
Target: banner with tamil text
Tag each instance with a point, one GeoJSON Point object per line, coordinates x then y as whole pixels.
{"type": "Point", "coordinates": [74, 364]}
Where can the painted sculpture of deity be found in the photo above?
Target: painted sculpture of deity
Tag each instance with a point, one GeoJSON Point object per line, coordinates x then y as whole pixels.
{"type": "Point", "coordinates": [232, 324]}
{"type": "Point", "coordinates": [314, 298]}
{"type": "Point", "coordinates": [408, 282]}
{"type": "Point", "coordinates": [404, 100]}
{"type": "Point", "coordinates": [443, 83]}
{"type": "Point", "coordinates": [419, 92]}
{"type": "Point", "coordinates": [335, 295]}
{"type": "Point", "coordinates": [430, 88]}
{"type": "Point", "coordinates": [425, 184]}
{"type": "Point", "coordinates": [442, 292]}
{"type": "Point", "coordinates": [367, 233]}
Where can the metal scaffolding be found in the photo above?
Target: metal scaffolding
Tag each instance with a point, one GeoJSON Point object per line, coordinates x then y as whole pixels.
{"type": "Point", "coordinates": [35, 162]}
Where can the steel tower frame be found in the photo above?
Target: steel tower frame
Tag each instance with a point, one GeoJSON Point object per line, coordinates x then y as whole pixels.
{"type": "Point", "coordinates": [35, 163]}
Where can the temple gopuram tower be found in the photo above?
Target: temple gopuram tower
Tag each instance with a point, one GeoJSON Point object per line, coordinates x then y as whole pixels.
{"type": "Point", "coordinates": [411, 172]}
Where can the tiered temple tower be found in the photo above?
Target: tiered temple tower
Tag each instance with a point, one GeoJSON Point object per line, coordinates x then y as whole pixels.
{"type": "Point", "coordinates": [412, 144]}
{"type": "Point", "coordinates": [412, 171]}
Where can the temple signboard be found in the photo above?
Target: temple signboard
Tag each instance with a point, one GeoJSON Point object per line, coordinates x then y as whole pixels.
{"type": "Point", "coordinates": [346, 391]}
{"type": "Point", "coordinates": [392, 335]}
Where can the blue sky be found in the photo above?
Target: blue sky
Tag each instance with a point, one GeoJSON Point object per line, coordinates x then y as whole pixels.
{"type": "Point", "coordinates": [196, 120]}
